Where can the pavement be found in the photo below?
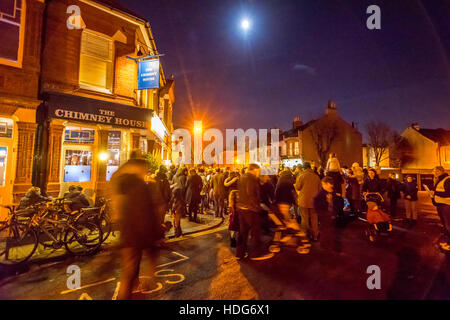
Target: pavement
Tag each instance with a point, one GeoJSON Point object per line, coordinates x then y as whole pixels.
{"type": "Point", "coordinates": [46, 256]}
{"type": "Point", "coordinates": [202, 266]}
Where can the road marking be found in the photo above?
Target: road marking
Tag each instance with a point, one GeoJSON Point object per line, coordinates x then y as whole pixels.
{"type": "Point", "coordinates": [183, 258]}
{"type": "Point", "coordinates": [198, 234]}
{"type": "Point", "coordinates": [88, 285]}
{"type": "Point", "coordinates": [84, 296]}
{"type": "Point", "coordinates": [116, 291]}
{"type": "Point", "coordinates": [173, 262]}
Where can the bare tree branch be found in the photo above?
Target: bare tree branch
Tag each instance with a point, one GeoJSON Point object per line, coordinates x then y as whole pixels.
{"type": "Point", "coordinates": [323, 133]}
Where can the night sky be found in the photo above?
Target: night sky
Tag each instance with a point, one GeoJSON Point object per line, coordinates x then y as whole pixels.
{"type": "Point", "coordinates": [300, 54]}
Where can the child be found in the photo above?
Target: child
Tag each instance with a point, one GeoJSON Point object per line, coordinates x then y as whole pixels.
{"type": "Point", "coordinates": [375, 214]}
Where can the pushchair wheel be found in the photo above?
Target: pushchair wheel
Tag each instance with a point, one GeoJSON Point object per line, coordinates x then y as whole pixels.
{"type": "Point", "coordinates": [274, 248]}
{"type": "Point", "coordinates": [370, 235]}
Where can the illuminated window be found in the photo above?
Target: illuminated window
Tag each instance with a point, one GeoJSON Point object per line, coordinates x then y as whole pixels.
{"type": "Point", "coordinates": [12, 26]}
{"type": "Point", "coordinates": [297, 150]}
{"type": "Point", "coordinates": [3, 156]}
{"type": "Point", "coordinates": [6, 128]}
{"type": "Point", "coordinates": [113, 162]}
{"type": "Point", "coordinates": [77, 166]}
{"type": "Point", "coordinates": [447, 155]}
{"type": "Point", "coordinates": [79, 135]}
{"type": "Point", "coordinates": [96, 62]}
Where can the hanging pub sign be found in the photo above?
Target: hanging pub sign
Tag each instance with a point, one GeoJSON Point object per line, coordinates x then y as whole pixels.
{"type": "Point", "coordinates": [148, 77]}
{"type": "Point", "coordinates": [83, 109]}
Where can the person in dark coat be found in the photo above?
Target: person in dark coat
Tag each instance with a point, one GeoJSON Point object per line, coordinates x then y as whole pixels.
{"type": "Point", "coordinates": [219, 192]}
{"type": "Point", "coordinates": [353, 193]}
{"type": "Point", "coordinates": [33, 196]}
{"type": "Point", "coordinates": [76, 198]}
{"type": "Point", "coordinates": [393, 188]}
{"type": "Point", "coordinates": [194, 185]}
{"type": "Point", "coordinates": [140, 230]}
{"type": "Point", "coordinates": [410, 195]}
{"type": "Point", "coordinates": [267, 194]}
{"type": "Point", "coordinates": [178, 199]}
{"type": "Point", "coordinates": [372, 183]}
{"type": "Point", "coordinates": [285, 197]}
{"type": "Point", "coordinates": [163, 185]}
{"type": "Point", "coordinates": [249, 207]}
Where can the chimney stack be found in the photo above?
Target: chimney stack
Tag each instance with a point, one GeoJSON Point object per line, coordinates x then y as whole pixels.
{"type": "Point", "coordinates": [416, 126]}
{"type": "Point", "coordinates": [297, 123]}
{"type": "Point", "coordinates": [331, 108]}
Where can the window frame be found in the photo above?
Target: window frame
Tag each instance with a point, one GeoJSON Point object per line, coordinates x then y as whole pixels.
{"type": "Point", "coordinates": [109, 77]}
{"type": "Point", "coordinates": [19, 62]}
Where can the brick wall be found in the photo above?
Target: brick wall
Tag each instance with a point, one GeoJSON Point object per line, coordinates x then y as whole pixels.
{"type": "Point", "coordinates": [24, 81]}
{"type": "Point", "coordinates": [62, 48]}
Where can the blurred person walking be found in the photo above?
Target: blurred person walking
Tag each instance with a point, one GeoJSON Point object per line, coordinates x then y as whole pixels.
{"type": "Point", "coordinates": [307, 186]}
{"type": "Point", "coordinates": [285, 197]}
{"type": "Point", "coordinates": [194, 187]}
{"type": "Point", "coordinates": [249, 215]}
{"type": "Point", "coordinates": [219, 193]}
{"type": "Point", "coordinates": [140, 230]}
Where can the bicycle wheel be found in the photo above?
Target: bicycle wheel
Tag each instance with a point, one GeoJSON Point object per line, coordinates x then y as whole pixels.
{"type": "Point", "coordinates": [17, 244]}
{"type": "Point", "coordinates": [105, 225]}
{"type": "Point", "coordinates": [83, 238]}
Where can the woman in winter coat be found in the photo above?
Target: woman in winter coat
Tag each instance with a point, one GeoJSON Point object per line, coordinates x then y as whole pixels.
{"type": "Point", "coordinates": [285, 197]}
{"type": "Point", "coordinates": [353, 192]}
{"type": "Point", "coordinates": [372, 183]}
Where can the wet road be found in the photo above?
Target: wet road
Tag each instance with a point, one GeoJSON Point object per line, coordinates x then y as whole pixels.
{"type": "Point", "coordinates": [202, 267]}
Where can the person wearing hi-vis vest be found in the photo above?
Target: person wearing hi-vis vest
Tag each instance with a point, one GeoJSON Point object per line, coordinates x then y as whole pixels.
{"type": "Point", "coordinates": [441, 199]}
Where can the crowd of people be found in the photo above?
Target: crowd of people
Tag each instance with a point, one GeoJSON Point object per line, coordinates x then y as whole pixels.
{"type": "Point", "coordinates": [304, 197]}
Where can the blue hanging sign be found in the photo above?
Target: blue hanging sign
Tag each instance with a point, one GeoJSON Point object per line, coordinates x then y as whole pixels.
{"type": "Point", "coordinates": [148, 74]}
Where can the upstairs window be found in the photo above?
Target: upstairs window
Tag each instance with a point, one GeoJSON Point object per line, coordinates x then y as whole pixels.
{"type": "Point", "coordinates": [12, 29]}
{"type": "Point", "coordinates": [96, 62]}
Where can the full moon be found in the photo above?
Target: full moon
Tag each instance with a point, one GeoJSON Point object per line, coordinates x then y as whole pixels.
{"type": "Point", "coordinates": [245, 24]}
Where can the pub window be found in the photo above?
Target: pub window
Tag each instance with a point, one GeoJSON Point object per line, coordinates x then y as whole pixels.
{"type": "Point", "coordinates": [297, 150]}
{"type": "Point", "coordinates": [77, 166]}
{"type": "Point", "coordinates": [6, 128]}
{"type": "Point", "coordinates": [79, 135]}
{"type": "Point", "coordinates": [96, 62]}
{"type": "Point", "coordinates": [113, 162]}
{"type": "Point", "coordinates": [447, 155]}
{"type": "Point", "coordinates": [3, 156]}
{"type": "Point", "coordinates": [12, 26]}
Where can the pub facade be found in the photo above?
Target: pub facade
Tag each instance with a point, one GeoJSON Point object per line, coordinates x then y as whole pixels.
{"type": "Point", "coordinates": [92, 115]}
{"type": "Point", "coordinates": [20, 47]}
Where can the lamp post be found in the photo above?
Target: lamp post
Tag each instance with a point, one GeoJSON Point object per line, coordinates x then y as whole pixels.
{"type": "Point", "coordinates": [198, 139]}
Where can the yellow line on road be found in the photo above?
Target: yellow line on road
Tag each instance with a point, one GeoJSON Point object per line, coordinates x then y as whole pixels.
{"type": "Point", "coordinates": [199, 234]}
{"type": "Point", "coordinates": [88, 286]}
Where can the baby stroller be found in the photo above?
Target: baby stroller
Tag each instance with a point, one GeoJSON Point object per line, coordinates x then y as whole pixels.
{"type": "Point", "coordinates": [285, 236]}
{"type": "Point", "coordinates": [379, 221]}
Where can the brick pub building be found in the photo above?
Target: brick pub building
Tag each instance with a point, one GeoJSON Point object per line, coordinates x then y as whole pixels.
{"type": "Point", "coordinates": [20, 47]}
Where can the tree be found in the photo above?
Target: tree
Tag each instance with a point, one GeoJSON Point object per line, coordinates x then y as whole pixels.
{"type": "Point", "coordinates": [153, 161]}
{"type": "Point", "coordinates": [381, 137]}
{"type": "Point", "coordinates": [400, 151]}
{"type": "Point", "coordinates": [323, 133]}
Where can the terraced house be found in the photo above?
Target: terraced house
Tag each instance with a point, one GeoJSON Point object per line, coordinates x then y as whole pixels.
{"type": "Point", "coordinates": [20, 39]}
{"type": "Point", "coordinates": [81, 87]}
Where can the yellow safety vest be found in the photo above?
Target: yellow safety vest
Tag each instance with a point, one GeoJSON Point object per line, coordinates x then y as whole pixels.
{"type": "Point", "coordinates": [440, 188]}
